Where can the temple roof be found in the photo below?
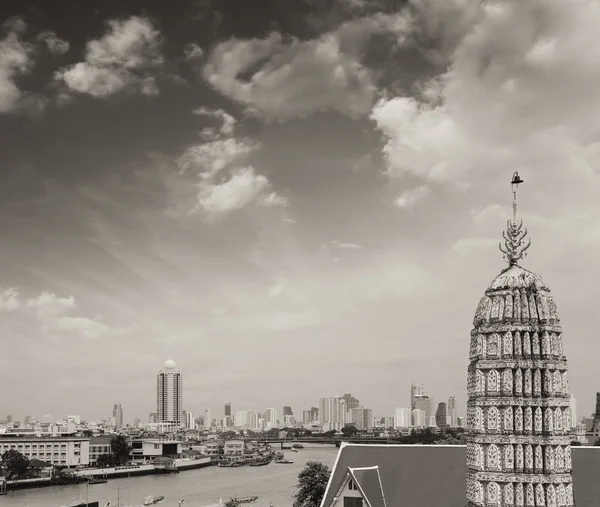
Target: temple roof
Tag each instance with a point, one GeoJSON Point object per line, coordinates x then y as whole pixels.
{"type": "Point", "coordinates": [435, 475]}
{"type": "Point", "coordinates": [516, 277]}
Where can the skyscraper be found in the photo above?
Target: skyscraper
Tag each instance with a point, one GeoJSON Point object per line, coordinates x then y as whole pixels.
{"type": "Point", "coordinates": [189, 421]}
{"type": "Point", "coordinates": [332, 412]}
{"type": "Point", "coordinates": [361, 418]}
{"type": "Point", "coordinates": [228, 409]}
{"type": "Point", "coordinates": [287, 411]}
{"type": "Point", "coordinates": [118, 415]}
{"type": "Point", "coordinates": [441, 415]}
{"type": "Point", "coordinates": [271, 418]}
{"type": "Point", "coordinates": [314, 414]}
{"type": "Point", "coordinates": [451, 411]}
{"type": "Point", "coordinates": [306, 417]}
{"type": "Point", "coordinates": [207, 418]}
{"type": "Point", "coordinates": [169, 391]}
{"type": "Point", "coordinates": [518, 416]}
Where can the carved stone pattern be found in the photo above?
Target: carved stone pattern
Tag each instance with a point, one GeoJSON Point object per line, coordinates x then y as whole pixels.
{"type": "Point", "coordinates": [518, 412]}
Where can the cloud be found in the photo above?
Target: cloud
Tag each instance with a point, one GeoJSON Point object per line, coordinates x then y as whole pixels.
{"type": "Point", "coordinates": [193, 53]}
{"type": "Point", "coordinates": [281, 78]}
{"type": "Point", "coordinates": [16, 59]}
{"type": "Point", "coordinates": [242, 188]}
{"type": "Point", "coordinates": [55, 44]}
{"type": "Point", "coordinates": [528, 102]}
{"type": "Point", "coordinates": [49, 305]}
{"type": "Point", "coordinates": [9, 300]}
{"type": "Point", "coordinates": [227, 125]}
{"type": "Point", "coordinates": [226, 182]}
{"type": "Point", "coordinates": [409, 198]}
{"type": "Point", "coordinates": [343, 245]}
{"type": "Point", "coordinates": [125, 57]}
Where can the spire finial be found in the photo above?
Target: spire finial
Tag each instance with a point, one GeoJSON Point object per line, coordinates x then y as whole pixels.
{"type": "Point", "coordinates": [514, 248]}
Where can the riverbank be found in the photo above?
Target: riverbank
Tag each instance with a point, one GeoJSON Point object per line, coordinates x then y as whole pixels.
{"type": "Point", "coordinates": [83, 476]}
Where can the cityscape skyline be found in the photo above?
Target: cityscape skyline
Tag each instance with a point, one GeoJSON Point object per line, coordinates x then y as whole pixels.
{"type": "Point", "coordinates": [319, 189]}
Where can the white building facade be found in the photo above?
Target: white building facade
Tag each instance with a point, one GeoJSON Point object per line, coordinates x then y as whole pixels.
{"type": "Point", "coordinates": [169, 394]}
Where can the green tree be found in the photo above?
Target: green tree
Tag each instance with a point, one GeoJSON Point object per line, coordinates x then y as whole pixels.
{"type": "Point", "coordinates": [120, 450]}
{"type": "Point", "coordinates": [312, 482]}
{"type": "Point", "coordinates": [105, 460]}
{"type": "Point", "coordinates": [14, 464]}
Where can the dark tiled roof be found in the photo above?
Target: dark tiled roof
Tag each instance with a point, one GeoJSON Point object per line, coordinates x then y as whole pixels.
{"type": "Point", "coordinates": [434, 475]}
{"type": "Point", "coordinates": [369, 483]}
{"type": "Point", "coordinates": [101, 440]}
{"type": "Point", "coordinates": [36, 463]}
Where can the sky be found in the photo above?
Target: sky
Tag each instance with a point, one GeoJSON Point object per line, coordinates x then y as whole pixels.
{"type": "Point", "coordinates": [290, 201]}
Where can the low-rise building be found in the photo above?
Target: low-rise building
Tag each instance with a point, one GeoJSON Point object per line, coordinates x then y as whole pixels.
{"type": "Point", "coordinates": [98, 446]}
{"type": "Point", "coordinates": [233, 449]}
{"type": "Point", "coordinates": [59, 451]}
{"type": "Point", "coordinates": [145, 450]}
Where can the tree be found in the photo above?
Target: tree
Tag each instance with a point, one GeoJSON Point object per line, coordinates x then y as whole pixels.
{"type": "Point", "coordinates": [14, 464]}
{"type": "Point", "coordinates": [312, 482]}
{"type": "Point", "coordinates": [349, 431]}
{"type": "Point", "coordinates": [105, 460]}
{"type": "Point", "coordinates": [120, 450]}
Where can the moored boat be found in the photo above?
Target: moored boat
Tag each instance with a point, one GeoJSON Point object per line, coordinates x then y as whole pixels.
{"type": "Point", "coordinates": [244, 499]}
{"type": "Point", "coordinates": [284, 461]}
{"type": "Point", "coordinates": [151, 500]}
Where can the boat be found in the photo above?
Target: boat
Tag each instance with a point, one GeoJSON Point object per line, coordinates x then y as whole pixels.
{"type": "Point", "coordinates": [297, 446]}
{"type": "Point", "coordinates": [231, 464]}
{"type": "Point", "coordinates": [294, 450]}
{"type": "Point", "coordinates": [151, 500]}
{"type": "Point", "coordinates": [259, 463]}
{"type": "Point", "coordinates": [244, 499]}
{"type": "Point", "coordinates": [97, 480]}
{"type": "Point", "coordinates": [284, 461]}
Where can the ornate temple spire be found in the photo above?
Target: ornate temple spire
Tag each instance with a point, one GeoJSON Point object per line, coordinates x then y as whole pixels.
{"type": "Point", "coordinates": [515, 245]}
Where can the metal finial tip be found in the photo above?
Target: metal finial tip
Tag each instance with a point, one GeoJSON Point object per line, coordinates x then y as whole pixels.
{"type": "Point", "coordinates": [516, 179]}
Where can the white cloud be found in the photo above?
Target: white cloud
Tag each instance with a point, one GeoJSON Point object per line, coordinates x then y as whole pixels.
{"type": "Point", "coordinates": [50, 305]}
{"type": "Point", "coordinates": [193, 52]}
{"type": "Point", "coordinates": [344, 245]}
{"type": "Point", "coordinates": [9, 300]}
{"type": "Point", "coordinates": [409, 198]}
{"type": "Point", "coordinates": [208, 159]}
{"type": "Point", "coordinates": [16, 59]}
{"type": "Point", "coordinates": [124, 57]}
{"type": "Point", "coordinates": [227, 122]}
{"type": "Point", "coordinates": [55, 44]}
{"type": "Point", "coordinates": [297, 78]}
{"type": "Point", "coordinates": [241, 189]}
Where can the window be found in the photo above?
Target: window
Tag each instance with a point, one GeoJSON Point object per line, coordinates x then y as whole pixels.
{"type": "Point", "coordinates": [352, 485]}
{"type": "Point", "coordinates": [352, 501]}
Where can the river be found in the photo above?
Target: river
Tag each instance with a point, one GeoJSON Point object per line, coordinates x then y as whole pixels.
{"type": "Point", "coordinates": [200, 488]}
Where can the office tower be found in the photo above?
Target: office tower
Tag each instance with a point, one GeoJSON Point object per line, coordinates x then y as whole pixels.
{"type": "Point", "coordinates": [351, 403]}
{"type": "Point", "coordinates": [228, 409]}
{"type": "Point", "coordinates": [441, 415]}
{"type": "Point", "coordinates": [189, 421]}
{"type": "Point", "coordinates": [118, 415]}
{"type": "Point", "coordinates": [9, 419]}
{"type": "Point", "coordinates": [271, 418]}
{"type": "Point", "coordinates": [153, 417]}
{"type": "Point", "coordinates": [419, 418]}
{"type": "Point", "coordinates": [169, 394]}
{"type": "Point", "coordinates": [361, 418]}
{"type": "Point", "coordinates": [207, 418]}
{"type": "Point", "coordinates": [332, 412]}
{"type": "Point", "coordinates": [451, 411]}
{"type": "Point", "coordinates": [415, 391]}
{"type": "Point", "coordinates": [287, 411]}
{"type": "Point", "coordinates": [424, 403]}
{"type": "Point", "coordinates": [227, 421]}
{"type": "Point", "coordinates": [306, 418]}
{"type": "Point", "coordinates": [314, 414]}
{"type": "Point", "coordinates": [402, 418]}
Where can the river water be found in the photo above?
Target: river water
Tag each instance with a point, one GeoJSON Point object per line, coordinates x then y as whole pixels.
{"type": "Point", "coordinates": [200, 488]}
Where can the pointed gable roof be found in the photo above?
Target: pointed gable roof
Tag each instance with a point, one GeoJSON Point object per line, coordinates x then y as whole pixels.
{"type": "Point", "coordinates": [368, 481]}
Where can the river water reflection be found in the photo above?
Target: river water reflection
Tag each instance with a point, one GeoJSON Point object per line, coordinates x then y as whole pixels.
{"type": "Point", "coordinates": [200, 488]}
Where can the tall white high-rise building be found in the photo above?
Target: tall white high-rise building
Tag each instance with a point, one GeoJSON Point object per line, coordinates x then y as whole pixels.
{"type": "Point", "coordinates": [189, 421]}
{"type": "Point", "coordinates": [207, 418]}
{"type": "Point", "coordinates": [118, 415]}
{"type": "Point", "coordinates": [332, 412]}
{"type": "Point", "coordinates": [451, 411]}
{"type": "Point", "coordinates": [402, 418]}
{"type": "Point", "coordinates": [271, 418]}
{"type": "Point", "coordinates": [169, 391]}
